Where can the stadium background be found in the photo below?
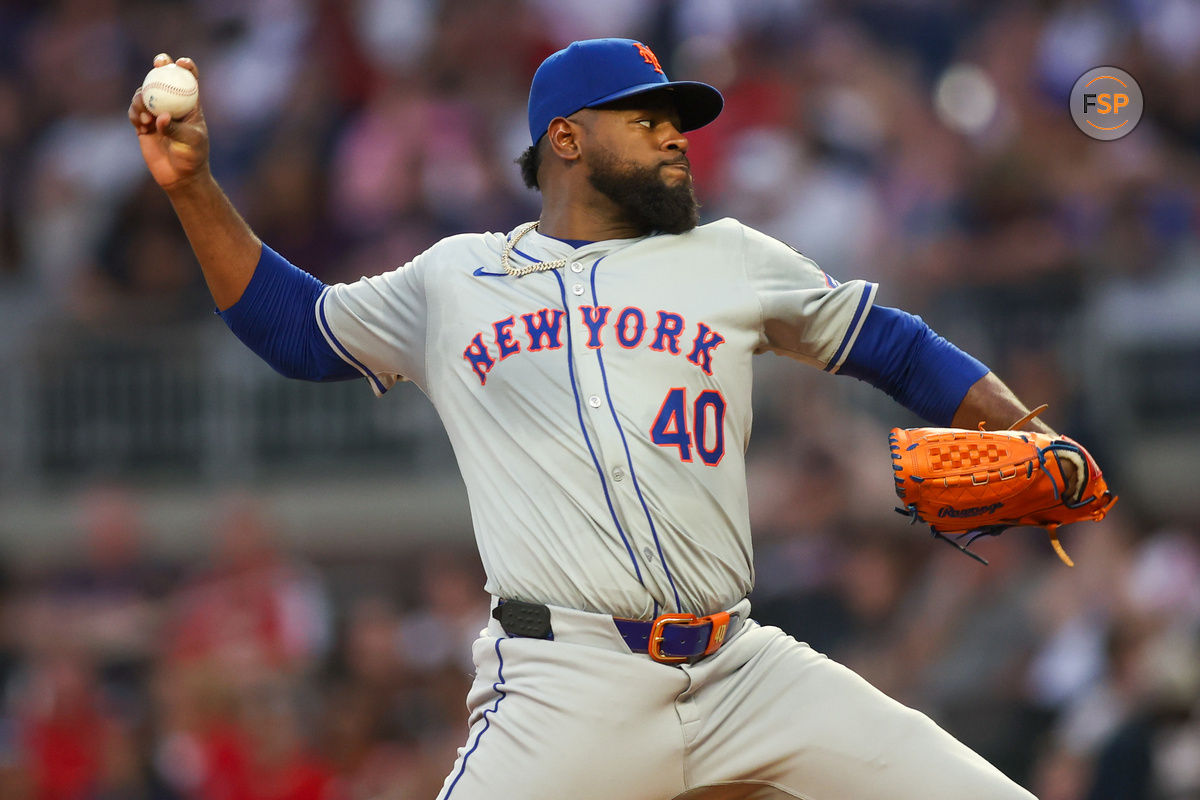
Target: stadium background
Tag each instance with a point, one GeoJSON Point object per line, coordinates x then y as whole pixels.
{"type": "Point", "coordinates": [220, 584]}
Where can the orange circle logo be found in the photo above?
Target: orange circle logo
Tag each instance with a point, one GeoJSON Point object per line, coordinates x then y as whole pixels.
{"type": "Point", "coordinates": [1106, 103]}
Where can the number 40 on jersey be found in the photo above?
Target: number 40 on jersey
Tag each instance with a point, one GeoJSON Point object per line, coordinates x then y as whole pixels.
{"type": "Point", "coordinates": [706, 431]}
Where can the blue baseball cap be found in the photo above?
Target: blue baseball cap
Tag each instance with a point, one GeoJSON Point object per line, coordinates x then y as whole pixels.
{"type": "Point", "coordinates": [598, 71]}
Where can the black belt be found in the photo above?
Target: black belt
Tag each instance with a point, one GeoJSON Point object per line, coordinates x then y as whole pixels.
{"type": "Point", "coordinates": [668, 639]}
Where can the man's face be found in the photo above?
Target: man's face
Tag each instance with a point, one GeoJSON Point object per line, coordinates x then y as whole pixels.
{"type": "Point", "coordinates": [637, 158]}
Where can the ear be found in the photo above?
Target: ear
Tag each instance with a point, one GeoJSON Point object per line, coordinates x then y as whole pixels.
{"type": "Point", "coordinates": [562, 136]}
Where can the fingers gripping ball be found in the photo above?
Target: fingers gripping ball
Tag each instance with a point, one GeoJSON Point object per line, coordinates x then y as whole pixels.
{"type": "Point", "coordinates": [965, 483]}
{"type": "Point", "coordinates": [171, 89]}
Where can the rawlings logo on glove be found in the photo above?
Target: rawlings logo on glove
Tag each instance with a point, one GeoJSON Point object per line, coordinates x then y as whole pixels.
{"type": "Point", "coordinates": [966, 484]}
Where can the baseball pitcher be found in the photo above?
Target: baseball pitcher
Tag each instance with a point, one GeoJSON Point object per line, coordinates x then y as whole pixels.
{"type": "Point", "coordinates": [593, 370]}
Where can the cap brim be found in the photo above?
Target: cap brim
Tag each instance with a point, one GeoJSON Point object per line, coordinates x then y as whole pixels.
{"type": "Point", "coordinates": [697, 103]}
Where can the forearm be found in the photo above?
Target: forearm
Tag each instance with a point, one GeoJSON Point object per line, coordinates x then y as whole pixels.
{"type": "Point", "coordinates": [223, 243]}
{"type": "Point", "coordinates": [990, 401]}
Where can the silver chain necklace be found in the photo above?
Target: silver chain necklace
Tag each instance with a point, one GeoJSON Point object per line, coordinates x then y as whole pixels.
{"type": "Point", "coordinates": [539, 266]}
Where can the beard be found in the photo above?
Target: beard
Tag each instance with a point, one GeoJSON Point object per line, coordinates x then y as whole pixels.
{"type": "Point", "coordinates": [642, 195]}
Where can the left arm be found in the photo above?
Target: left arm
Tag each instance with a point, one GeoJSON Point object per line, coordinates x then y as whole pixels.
{"type": "Point", "coordinates": [810, 317]}
{"type": "Point", "coordinates": [898, 353]}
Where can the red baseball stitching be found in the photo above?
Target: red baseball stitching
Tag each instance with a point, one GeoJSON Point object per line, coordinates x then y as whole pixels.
{"type": "Point", "coordinates": [165, 87]}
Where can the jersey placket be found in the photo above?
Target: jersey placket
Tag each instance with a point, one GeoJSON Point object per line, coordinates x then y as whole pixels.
{"type": "Point", "coordinates": [612, 445]}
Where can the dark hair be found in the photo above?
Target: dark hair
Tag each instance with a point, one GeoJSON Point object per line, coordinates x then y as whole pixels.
{"type": "Point", "coordinates": [530, 161]}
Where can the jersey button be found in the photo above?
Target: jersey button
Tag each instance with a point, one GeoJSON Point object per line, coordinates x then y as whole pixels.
{"type": "Point", "coordinates": [618, 474]}
{"type": "Point", "coordinates": [594, 401]}
{"type": "Point", "coordinates": [577, 289]}
{"type": "Point", "coordinates": [577, 267]}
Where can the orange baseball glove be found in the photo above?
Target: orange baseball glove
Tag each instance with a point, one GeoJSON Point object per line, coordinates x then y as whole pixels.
{"type": "Point", "coordinates": [966, 484]}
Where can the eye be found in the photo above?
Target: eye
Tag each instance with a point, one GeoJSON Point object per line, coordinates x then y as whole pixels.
{"type": "Point", "coordinates": [647, 123]}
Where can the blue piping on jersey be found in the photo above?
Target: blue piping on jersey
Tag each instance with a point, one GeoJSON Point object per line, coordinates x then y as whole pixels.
{"type": "Point", "coordinates": [628, 457]}
{"type": "Point", "coordinates": [862, 304]}
{"type": "Point", "coordinates": [487, 723]}
{"type": "Point", "coordinates": [341, 349]}
{"type": "Point", "coordinates": [576, 243]}
{"type": "Point", "coordinates": [562, 288]}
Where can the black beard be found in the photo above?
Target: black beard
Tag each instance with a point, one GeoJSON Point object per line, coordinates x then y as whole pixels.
{"type": "Point", "coordinates": [640, 193]}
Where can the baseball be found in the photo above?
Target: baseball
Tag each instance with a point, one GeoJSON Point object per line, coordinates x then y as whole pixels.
{"type": "Point", "coordinates": [170, 88]}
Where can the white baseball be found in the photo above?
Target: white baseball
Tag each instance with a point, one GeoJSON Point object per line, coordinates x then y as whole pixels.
{"type": "Point", "coordinates": [170, 88]}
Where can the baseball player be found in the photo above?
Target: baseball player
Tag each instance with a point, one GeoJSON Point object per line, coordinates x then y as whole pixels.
{"type": "Point", "coordinates": [593, 371]}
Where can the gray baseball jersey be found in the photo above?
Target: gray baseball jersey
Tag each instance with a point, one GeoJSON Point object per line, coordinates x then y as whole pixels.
{"type": "Point", "coordinates": [600, 412]}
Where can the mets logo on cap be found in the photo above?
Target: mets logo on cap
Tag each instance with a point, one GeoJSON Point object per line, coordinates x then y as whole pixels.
{"type": "Point", "coordinates": [651, 59]}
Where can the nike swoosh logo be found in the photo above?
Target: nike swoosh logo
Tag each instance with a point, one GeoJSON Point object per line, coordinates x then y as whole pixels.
{"type": "Point", "coordinates": [480, 272]}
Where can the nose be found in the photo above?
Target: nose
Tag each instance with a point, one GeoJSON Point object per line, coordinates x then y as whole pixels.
{"type": "Point", "coordinates": [675, 141]}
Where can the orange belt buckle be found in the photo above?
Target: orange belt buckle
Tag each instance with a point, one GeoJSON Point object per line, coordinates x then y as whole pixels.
{"type": "Point", "coordinates": [716, 637]}
{"type": "Point", "coordinates": [654, 645]}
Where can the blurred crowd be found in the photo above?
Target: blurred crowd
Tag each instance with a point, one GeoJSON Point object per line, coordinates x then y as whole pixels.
{"type": "Point", "coordinates": [251, 674]}
{"type": "Point", "coordinates": [924, 144]}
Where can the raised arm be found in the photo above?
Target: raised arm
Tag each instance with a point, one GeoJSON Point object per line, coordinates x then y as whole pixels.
{"type": "Point", "coordinates": [267, 302]}
{"type": "Point", "coordinates": [176, 152]}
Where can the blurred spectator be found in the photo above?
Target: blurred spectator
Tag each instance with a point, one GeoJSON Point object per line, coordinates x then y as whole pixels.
{"type": "Point", "coordinates": [451, 613]}
{"type": "Point", "coordinates": [85, 638]}
{"type": "Point", "coordinates": [65, 731]}
{"type": "Point", "coordinates": [254, 609]}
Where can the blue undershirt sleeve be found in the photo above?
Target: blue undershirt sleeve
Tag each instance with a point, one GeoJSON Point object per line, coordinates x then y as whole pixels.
{"type": "Point", "coordinates": [275, 317]}
{"type": "Point", "coordinates": [898, 353]}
